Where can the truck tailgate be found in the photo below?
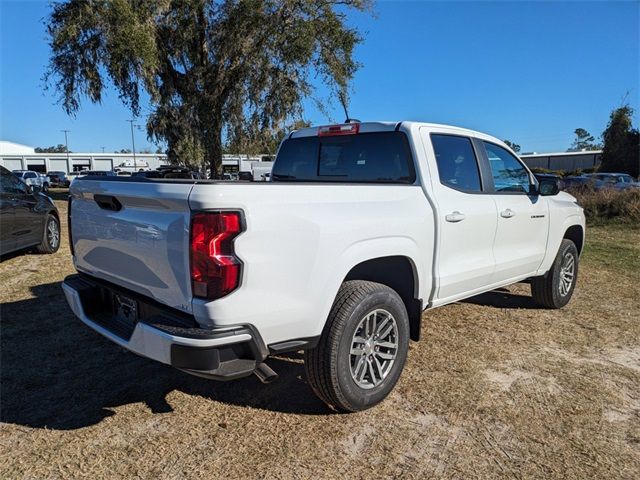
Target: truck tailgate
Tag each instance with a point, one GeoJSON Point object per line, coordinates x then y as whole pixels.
{"type": "Point", "coordinates": [136, 235]}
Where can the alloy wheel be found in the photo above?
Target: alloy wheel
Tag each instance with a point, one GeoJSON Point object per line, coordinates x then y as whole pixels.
{"type": "Point", "coordinates": [53, 233]}
{"type": "Point", "coordinates": [374, 348]}
{"type": "Point", "coordinates": [567, 274]}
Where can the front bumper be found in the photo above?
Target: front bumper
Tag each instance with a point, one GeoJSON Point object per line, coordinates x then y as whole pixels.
{"type": "Point", "coordinates": [161, 335]}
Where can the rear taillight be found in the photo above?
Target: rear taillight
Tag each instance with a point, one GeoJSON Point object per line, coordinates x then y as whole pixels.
{"type": "Point", "coordinates": [344, 129]}
{"type": "Point", "coordinates": [215, 269]}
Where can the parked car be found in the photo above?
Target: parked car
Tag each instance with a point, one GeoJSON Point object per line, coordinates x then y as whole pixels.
{"type": "Point", "coordinates": [619, 181]}
{"type": "Point", "coordinates": [27, 217]}
{"type": "Point", "coordinates": [59, 179]}
{"type": "Point", "coordinates": [99, 173]}
{"type": "Point", "coordinates": [45, 180]}
{"type": "Point", "coordinates": [168, 172]}
{"type": "Point", "coordinates": [33, 179]}
{"type": "Point", "coordinates": [582, 182]}
{"type": "Point", "coordinates": [362, 227]}
{"type": "Point", "coordinates": [94, 173]}
{"type": "Point", "coordinates": [77, 174]}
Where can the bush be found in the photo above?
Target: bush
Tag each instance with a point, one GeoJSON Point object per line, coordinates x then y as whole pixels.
{"type": "Point", "coordinates": [610, 205]}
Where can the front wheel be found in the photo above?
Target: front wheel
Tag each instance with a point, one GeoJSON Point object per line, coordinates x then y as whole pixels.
{"type": "Point", "coordinates": [363, 347]}
{"type": "Point", "coordinates": [555, 288]}
{"type": "Point", "coordinates": [51, 237]}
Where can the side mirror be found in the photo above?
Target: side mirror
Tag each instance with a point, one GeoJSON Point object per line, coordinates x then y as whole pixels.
{"type": "Point", "coordinates": [548, 187]}
{"type": "Point", "coordinates": [35, 188]}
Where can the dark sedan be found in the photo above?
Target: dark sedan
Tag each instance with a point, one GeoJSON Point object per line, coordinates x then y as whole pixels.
{"type": "Point", "coordinates": [59, 179]}
{"type": "Point", "coordinates": [27, 217]}
{"type": "Point", "coordinates": [583, 183]}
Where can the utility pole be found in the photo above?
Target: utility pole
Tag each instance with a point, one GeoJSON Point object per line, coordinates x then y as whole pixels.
{"type": "Point", "coordinates": [133, 145]}
{"type": "Point", "coordinates": [102, 149]}
{"type": "Point", "coordinates": [66, 143]}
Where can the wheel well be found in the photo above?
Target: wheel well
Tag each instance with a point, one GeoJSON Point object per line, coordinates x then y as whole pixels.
{"type": "Point", "coordinates": [576, 235]}
{"type": "Point", "coordinates": [399, 274]}
{"type": "Point", "coordinates": [55, 214]}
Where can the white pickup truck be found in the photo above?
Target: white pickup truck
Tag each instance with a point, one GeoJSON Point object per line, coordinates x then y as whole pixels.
{"type": "Point", "coordinates": [362, 228]}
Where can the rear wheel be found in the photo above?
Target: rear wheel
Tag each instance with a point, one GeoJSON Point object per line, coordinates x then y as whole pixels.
{"type": "Point", "coordinates": [51, 237]}
{"type": "Point", "coordinates": [363, 347]}
{"type": "Point", "coordinates": [555, 288]}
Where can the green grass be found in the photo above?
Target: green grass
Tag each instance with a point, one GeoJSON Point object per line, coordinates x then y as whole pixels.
{"type": "Point", "coordinates": [614, 246]}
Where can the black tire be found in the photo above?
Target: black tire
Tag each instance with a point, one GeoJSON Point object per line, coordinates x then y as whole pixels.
{"type": "Point", "coordinates": [547, 290]}
{"type": "Point", "coordinates": [50, 242]}
{"type": "Point", "coordinates": [329, 365]}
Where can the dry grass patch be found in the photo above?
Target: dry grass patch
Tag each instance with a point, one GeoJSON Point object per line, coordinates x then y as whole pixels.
{"type": "Point", "coordinates": [496, 389]}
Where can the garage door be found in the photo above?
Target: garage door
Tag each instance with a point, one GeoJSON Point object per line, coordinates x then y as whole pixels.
{"type": "Point", "coordinates": [102, 164]}
{"type": "Point", "coordinates": [12, 163]}
{"type": "Point", "coordinates": [58, 165]}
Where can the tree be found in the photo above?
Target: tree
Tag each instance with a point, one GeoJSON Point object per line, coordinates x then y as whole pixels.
{"type": "Point", "coordinates": [256, 141]}
{"type": "Point", "coordinates": [621, 151]}
{"type": "Point", "coordinates": [513, 146]}
{"type": "Point", "coordinates": [583, 141]}
{"type": "Point", "coordinates": [216, 67]}
{"type": "Point", "coordinates": [53, 149]}
{"type": "Point", "coordinates": [123, 150]}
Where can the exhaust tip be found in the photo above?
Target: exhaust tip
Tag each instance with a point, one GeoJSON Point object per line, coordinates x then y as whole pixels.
{"type": "Point", "coordinates": [264, 373]}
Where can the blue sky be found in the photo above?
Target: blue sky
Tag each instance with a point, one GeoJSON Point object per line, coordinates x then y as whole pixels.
{"type": "Point", "coordinates": [530, 72]}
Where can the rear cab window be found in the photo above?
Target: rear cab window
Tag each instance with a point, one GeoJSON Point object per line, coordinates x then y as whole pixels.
{"type": "Point", "coordinates": [376, 157]}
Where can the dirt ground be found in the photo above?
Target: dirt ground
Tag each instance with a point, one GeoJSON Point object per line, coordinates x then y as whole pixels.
{"type": "Point", "coordinates": [497, 388]}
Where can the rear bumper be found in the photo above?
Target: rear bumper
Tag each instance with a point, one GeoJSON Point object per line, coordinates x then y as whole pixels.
{"type": "Point", "coordinates": [221, 354]}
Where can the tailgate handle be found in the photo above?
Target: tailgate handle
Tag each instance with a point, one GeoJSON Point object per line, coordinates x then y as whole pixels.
{"type": "Point", "coordinates": [108, 202]}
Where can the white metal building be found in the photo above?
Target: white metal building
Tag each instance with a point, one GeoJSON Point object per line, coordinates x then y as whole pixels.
{"type": "Point", "coordinates": [46, 162]}
{"type": "Point", "coordinates": [14, 156]}
{"type": "Point", "coordinates": [568, 161]}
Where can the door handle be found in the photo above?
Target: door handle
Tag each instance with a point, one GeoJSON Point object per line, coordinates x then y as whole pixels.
{"type": "Point", "coordinates": [108, 202]}
{"type": "Point", "coordinates": [455, 217]}
{"type": "Point", "coordinates": [508, 213]}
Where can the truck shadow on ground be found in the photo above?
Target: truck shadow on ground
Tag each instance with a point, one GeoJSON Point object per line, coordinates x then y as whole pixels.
{"type": "Point", "coordinates": [58, 374]}
{"type": "Point", "coordinates": [503, 298]}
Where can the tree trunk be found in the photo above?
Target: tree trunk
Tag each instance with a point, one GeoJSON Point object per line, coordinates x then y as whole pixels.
{"type": "Point", "coordinates": [213, 146]}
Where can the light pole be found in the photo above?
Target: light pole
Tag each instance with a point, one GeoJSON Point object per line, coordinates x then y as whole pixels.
{"type": "Point", "coordinates": [66, 143]}
{"type": "Point", "coordinates": [133, 145]}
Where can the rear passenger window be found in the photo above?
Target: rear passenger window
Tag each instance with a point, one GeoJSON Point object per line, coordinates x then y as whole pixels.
{"type": "Point", "coordinates": [457, 163]}
{"type": "Point", "coordinates": [379, 157]}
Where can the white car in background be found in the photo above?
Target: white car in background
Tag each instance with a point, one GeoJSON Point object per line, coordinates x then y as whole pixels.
{"type": "Point", "coordinates": [33, 179]}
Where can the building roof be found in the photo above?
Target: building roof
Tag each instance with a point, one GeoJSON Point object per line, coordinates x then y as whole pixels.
{"type": "Point", "coordinates": [561, 154]}
{"type": "Point", "coordinates": [12, 148]}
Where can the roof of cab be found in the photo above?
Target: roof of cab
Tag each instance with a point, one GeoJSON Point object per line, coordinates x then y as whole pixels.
{"type": "Point", "coordinates": [367, 127]}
